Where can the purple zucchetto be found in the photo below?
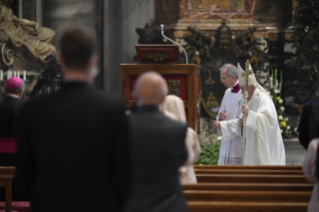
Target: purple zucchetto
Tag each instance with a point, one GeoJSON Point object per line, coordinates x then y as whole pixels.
{"type": "Point", "coordinates": [14, 85]}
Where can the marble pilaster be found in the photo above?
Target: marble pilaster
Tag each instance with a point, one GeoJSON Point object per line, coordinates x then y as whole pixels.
{"type": "Point", "coordinates": [121, 18]}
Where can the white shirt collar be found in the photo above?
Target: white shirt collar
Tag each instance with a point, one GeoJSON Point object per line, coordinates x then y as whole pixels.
{"type": "Point", "coordinates": [13, 96]}
{"type": "Point", "coordinates": [234, 84]}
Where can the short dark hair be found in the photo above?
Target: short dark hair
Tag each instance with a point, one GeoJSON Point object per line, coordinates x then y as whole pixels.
{"type": "Point", "coordinates": [77, 47]}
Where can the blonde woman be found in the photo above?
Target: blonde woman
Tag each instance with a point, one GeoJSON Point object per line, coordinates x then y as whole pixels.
{"type": "Point", "coordinates": [310, 168]}
{"type": "Point", "coordinates": [173, 107]}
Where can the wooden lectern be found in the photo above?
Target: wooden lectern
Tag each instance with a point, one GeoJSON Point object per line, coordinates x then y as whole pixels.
{"type": "Point", "coordinates": [182, 80]}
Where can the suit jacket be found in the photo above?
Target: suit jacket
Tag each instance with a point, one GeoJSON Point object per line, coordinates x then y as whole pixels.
{"type": "Point", "coordinates": [73, 151]}
{"type": "Point", "coordinates": [158, 150]}
{"type": "Point", "coordinates": [314, 122]}
{"type": "Point", "coordinates": [303, 128]}
{"type": "Point", "coordinates": [9, 112]}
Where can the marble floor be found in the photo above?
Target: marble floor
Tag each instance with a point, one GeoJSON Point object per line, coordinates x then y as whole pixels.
{"type": "Point", "coordinates": [295, 153]}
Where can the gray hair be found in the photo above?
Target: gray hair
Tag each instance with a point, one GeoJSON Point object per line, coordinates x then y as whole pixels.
{"type": "Point", "coordinates": [230, 70]}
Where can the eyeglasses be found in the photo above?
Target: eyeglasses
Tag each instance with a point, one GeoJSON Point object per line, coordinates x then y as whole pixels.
{"type": "Point", "coordinates": [222, 78]}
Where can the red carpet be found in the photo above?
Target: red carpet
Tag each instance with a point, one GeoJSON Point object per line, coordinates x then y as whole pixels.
{"type": "Point", "coordinates": [17, 207]}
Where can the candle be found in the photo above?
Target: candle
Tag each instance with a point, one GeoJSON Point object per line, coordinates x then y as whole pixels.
{"type": "Point", "coordinates": [18, 74]}
{"type": "Point", "coordinates": [14, 73]}
{"type": "Point", "coordinates": [9, 74]}
{"type": "Point", "coordinates": [24, 75]}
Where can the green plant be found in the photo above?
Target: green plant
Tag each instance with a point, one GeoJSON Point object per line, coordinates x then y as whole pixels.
{"type": "Point", "coordinates": [210, 154]}
{"type": "Point", "coordinates": [275, 94]}
{"type": "Point", "coordinates": [303, 76]}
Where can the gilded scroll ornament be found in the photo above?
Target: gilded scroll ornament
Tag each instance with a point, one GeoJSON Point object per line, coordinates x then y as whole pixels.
{"type": "Point", "coordinates": [7, 55]}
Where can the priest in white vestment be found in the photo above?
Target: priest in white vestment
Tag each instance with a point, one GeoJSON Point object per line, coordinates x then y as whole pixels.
{"type": "Point", "coordinates": [228, 118]}
{"type": "Point", "coordinates": [264, 144]}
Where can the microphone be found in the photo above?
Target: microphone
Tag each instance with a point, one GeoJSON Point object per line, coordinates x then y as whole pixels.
{"type": "Point", "coordinates": [162, 31]}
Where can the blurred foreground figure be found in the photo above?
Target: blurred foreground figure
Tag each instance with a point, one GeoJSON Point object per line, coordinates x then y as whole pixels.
{"type": "Point", "coordinates": [50, 78]}
{"type": "Point", "coordinates": [158, 150]}
{"type": "Point", "coordinates": [262, 136]}
{"type": "Point", "coordinates": [311, 168]}
{"type": "Point", "coordinates": [175, 106]}
{"type": "Point", "coordinates": [9, 112]}
{"type": "Point", "coordinates": [73, 144]}
{"type": "Point", "coordinates": [307, 131]}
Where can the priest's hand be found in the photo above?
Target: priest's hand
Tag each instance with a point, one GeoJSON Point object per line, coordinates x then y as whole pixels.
{"type": "Point", "coordinates": [216, 124]}
{"type": "Point", "coordinates": [241, 121]}
{"type": "Point", "coordinates": [245, 110]}
{"type": "Point", "coordinates": [222, 115]}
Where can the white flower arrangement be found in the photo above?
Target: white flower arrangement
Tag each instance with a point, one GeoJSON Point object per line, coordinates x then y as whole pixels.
{"type": "Point", "coordinates": [282, 108]}
{"type": "Point", "coordinates": [280, 101]}
{"type": "Point", "coordinates": [286, 119]}
{"type": "Point", "coordinates": [288, 127]}
{"type": "Point", "coordinates": [280, 117]}
{"type": "Point", "coordinates": [219, 138]}
{"type": "Point", "coordinates": [295, 129]}
{"type": "Point", "coordinates": [281, 131]}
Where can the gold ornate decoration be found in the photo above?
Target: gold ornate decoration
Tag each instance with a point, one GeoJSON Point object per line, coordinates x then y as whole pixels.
{"type": "Point", "coordinates": [247, 72]}
{"type": "Point", "coordinates": [246, 75]}
{"type": "Point", "coordinates": [211, 102]}
{"type": "Point", "coordinates": [30, 43]}
{"type": "Point", "coordinates": [157, 56]}
{"type": "Point", "coordinates": [214, 51]}
{"type": "Point", "coordinates": [174, 87]}
{"type": "Point", "coordinates": [206, 109]}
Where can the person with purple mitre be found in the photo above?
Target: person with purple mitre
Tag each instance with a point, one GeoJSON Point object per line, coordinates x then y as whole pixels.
{"type": "Point", "coordinates": [9, 111]}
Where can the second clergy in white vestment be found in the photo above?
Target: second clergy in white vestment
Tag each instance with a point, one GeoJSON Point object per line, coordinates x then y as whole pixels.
{"type": "Point", "coordinates": [228, 118]}
{"type": "Point", "coordinates": [264, 144]}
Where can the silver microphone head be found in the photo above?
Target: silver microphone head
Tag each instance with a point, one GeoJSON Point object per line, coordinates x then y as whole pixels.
{"type": "Point", "coordinates": [162, 27]}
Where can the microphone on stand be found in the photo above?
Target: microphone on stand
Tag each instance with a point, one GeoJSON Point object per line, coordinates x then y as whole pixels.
{"type": "Point", "coordinates": [162, 30]}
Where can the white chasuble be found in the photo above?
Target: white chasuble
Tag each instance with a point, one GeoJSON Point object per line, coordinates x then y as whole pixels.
{"type": "Point", "coordinates": [231, 143]}
{"type": "Point", "coordinates": [264, 144]}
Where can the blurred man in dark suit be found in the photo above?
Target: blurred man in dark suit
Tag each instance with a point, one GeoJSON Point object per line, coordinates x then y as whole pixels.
{"type": "Point", "coordinates": [303, 128]}
{"type": "Point", "coordinates": [9, 112]}
{"type": "Point", "coordinates": [73, 148]}
{"type": "Point", "coordinates": [313, 131]}
{"type": "Point", "coordinates": [158, 150]}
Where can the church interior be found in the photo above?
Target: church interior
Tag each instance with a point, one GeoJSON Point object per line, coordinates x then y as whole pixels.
{"type": "Point", "coordinates": [187, 42]}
